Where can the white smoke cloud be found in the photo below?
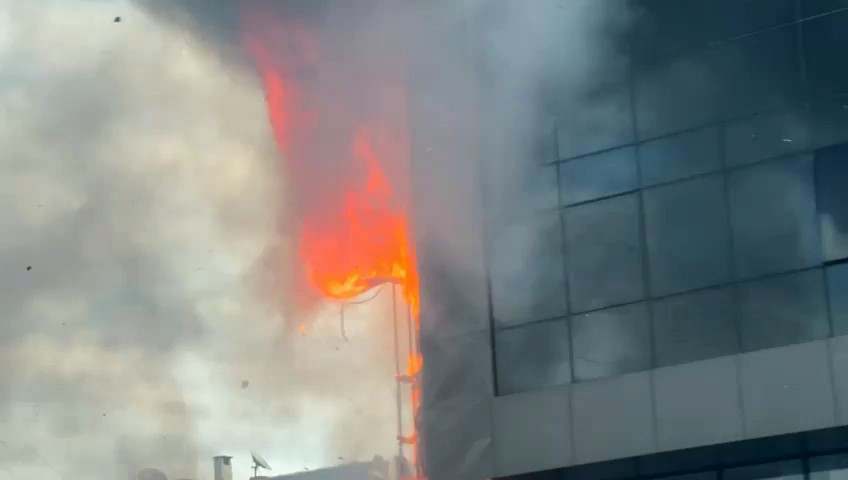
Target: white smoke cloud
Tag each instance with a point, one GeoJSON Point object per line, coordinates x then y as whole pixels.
{"type": "Point", "coordinates": [142, 191]}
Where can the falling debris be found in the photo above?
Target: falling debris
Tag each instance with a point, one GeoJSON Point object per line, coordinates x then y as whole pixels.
{"type": "Point", "coordinates": [244, 384]}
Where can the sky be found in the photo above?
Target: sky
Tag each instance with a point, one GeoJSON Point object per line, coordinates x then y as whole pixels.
{"type": "Point", "coordinates": [140, 329]}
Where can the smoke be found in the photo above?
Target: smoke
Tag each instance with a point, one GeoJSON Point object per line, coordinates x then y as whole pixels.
{"type": "Point", "coordinates": [149, 201]}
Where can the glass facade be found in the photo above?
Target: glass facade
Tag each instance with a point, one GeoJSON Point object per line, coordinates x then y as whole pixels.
{"type": "Point", "coordinates": [706, 215]}
{"type": "Point", "coordinates": [813, 455]}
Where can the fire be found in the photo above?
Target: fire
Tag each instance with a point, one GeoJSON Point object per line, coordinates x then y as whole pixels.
{"type": "Point", "coordinates": [368, 242]}
{"type": "Point", "coordinates": [356, 233]}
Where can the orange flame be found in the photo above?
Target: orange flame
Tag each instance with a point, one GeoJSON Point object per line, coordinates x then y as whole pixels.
{"type": "Point", "coordinates": [361, 236]}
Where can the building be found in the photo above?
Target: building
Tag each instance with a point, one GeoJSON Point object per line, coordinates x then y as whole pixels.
{"type": "Point", "coordinates": [681, 311]}
{"type": "Point", "coordinates": [376, 469]}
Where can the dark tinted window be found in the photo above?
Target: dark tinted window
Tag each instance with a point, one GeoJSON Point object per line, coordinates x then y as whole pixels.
{"type": "Point", "coordinates": [679, 156]}
{"type": "Point", "coordinates": [832, 190]}
{"type": "Point", "coordinates": [605, 264]}
{"type": "Point", "coordinates": [533, 356]}
{"type": "Point", "coordinates": [788, 470]}
{"type": "Point", "coordinates": [611, 342]}
{"type": "Point", "coordinates": [816, 7]}
{"type": "Point", "coordinates": [837, 280]}
{"type": "Point", "coordinates": [694, 327]}
{"type": "Point", "coordinates": [829, 120]}
{"type": "Point", "coordinates": [601, 118]}
{"type": "Point", "coordinates": [527, 271]}
{"type": "Point", "coordinates": [773, 213]}
{"type": "Point", "coordinates": [678, 461]}
{"type": "Point", "coordinates": [766, 135]}
{"type": "Point", "coordinates": [668, 27]}
{"type": "Point", "coordinates": [520, 191]}
{"type": "Point", "coordinates": [743, 76]}
{"type": "Point", "coordinates": [688, 235]}
{"type": "Point", "coordinates": [825, 39]}
{"type": "Point", "coordinates": [760, 449]}
{"type": "Point", "coordinates": [598, 175]}
{"type": "Point", "coordinates": [829, 467]}
{"type": "Point", "coordinates": [783, 310]}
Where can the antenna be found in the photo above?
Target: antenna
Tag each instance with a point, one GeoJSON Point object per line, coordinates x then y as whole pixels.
{"type": "Point", "coordinates": [259, 462]}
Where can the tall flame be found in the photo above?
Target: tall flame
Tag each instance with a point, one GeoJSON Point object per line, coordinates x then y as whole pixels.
{"type": "Point", "coordinates": [358, 237]}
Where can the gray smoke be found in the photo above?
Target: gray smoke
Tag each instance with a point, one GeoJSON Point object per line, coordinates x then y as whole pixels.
{"type": "Point", "coordinates": [145, 194]}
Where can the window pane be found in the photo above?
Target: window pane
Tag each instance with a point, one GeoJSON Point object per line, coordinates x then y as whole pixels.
{"type": "Point", "coordinates": [532, 356]}
{"type": "Point", "coordinates": [605, 263]}
{"type": "Point", "coordinates": [788, 470]}
{"type": "Point", "coordinates": [767, 135]}
{"type": "Point", "coordinates": [827, 440]}
{"type": "Point", "coordinates": [598, 175]}
{"type": "Point", "coordinates": [773, 212]}
{"type": "Point", "coordinates": [672, 26]}
{"type": "Point", "coordinates": [604, 119]}
{"type": "Point", "coordinates": [528, 278]}
{"type": "Point", "coordinates": [824, 39]}
{"type": "Point", "coordinates": [837, 279]}
{"type": "Point", "coordinates": [679, 156]}
{"type": "Point", "coordinates": [688, 235]}
{"type": "Point", "coordinates": [736, 78]}
{"type": "Point", "coordinates": [832, 190]}
{"type": "Point", "coordinates": [829, 121]}
{"type": "Point", "coordinates": [810, 8]}
{"type": "Point", "coordinates": [783, 310]}
{"type": "Point", "coordinates": [519, 193]}
{"type": "Point", "coordinates": [694, 476]}
{"type": "Point", "coordinates": [694, 327]}
{"type": "Point", "coordinates": [611, 342]}
{"type": "Point", "coordinates": [760, 449]}
{"type": "Point", "coordinates": [829, 467]}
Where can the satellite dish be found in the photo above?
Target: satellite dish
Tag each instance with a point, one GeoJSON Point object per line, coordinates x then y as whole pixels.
{"type": "Point", "coordinates": [259, 462]}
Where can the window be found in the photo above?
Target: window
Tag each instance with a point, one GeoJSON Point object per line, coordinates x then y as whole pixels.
{"type": "Point", "coordinates": [695, 326]}
{"type": "Point", "coordinates": [829, 121]}
{"type": "Point", "coordinates": [832, 199]}
{"type": "Point", "coordinates": [766, 135]}
{"type": "Point", "coordinates": [522, 189]}
{"type": "Point", "coordinates": [688, 235]}
{"type": "Point", "coordinates": [533, 356]}
{"type": "Point", "coordinates": [527, 272]}
{"type": "Point", "coordinates": [672, 26]}
{"type": "Point", "coordinates": [611, 342]}
{"type": "Point", "coordinates": [788, 470]}
{"type": "Point", "coordinates": [599, 119]}
{"type": "Point", "coordinates": [597, 176]}
{"type": "Point", "coordinates": [824, 38]}
{"type": "Point", "coordinates": [773, 215]}
{"type": "Point", "coordinates": [810, 8]}
{"type": "Point", "coordinates": [837, 281]}
{"type": "Point", "coordinates": [829, 467]}
{"type": "Point", "coordinates": [679, 156]}
{"type": "Point", "coordinates": [736, 78]}
{"type": "Point", "coordinates": [783, 310]}
{"type": "Point", "coordinates": [605, 264]}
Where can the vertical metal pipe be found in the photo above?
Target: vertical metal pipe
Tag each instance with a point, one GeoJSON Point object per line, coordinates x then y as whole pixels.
{"type": "Point", "coordinates": [398, 463]}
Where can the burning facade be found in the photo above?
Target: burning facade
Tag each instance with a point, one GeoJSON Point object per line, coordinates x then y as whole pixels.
{"type": "Point", "coordinates": [592, 233]}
